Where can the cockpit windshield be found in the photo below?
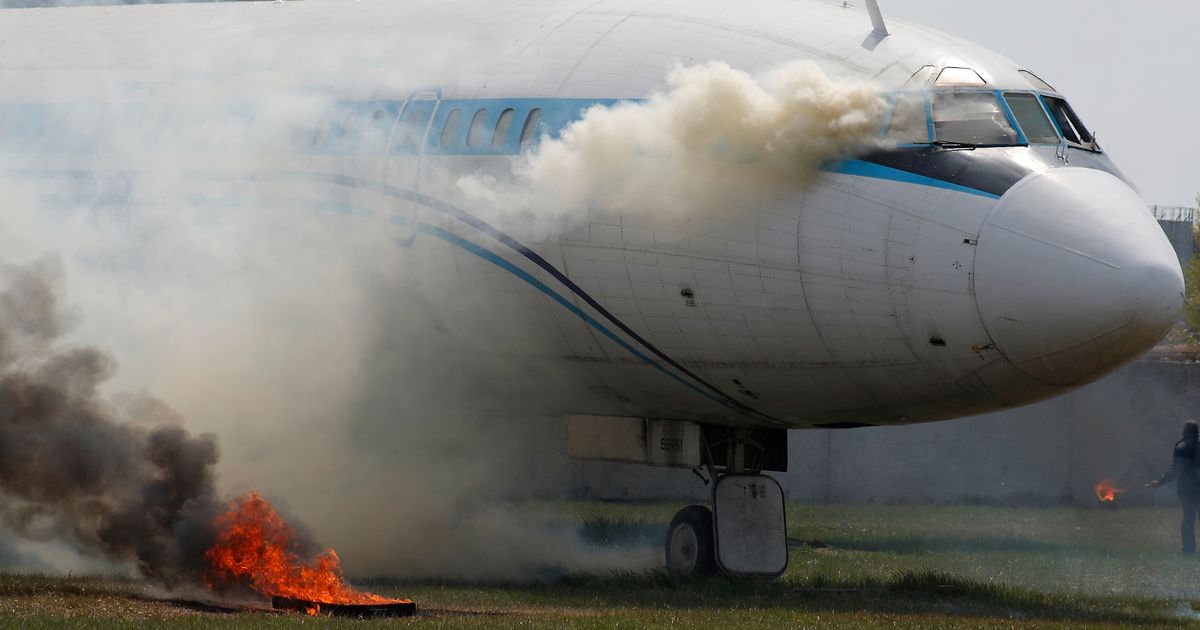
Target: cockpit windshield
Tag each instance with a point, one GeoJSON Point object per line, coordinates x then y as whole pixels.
{"type": "Point", "coordinates": [968, 119]}
{"type": "Point", "coordinates": [1072, 128]}
{"type": "Point", "coordinates": [971, 118]}
{"type": "Point", "coordinates": [1030, 114]}
{"type": "Point", "coordinates": [908, 124]}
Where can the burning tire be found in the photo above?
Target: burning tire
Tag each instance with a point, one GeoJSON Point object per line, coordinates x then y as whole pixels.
{"type": "Point", "coordinates": [690, 549]}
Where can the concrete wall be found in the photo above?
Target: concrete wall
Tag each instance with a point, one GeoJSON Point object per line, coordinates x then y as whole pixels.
{"type": "Point", "coordinates": [1122, 427]}
{"type": "Point", "coordinates": [1180, 235]}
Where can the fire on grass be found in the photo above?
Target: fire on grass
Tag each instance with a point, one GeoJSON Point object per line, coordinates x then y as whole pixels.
{"type": "Point", "coordinates": [255, 549]}
{"type": "Point", "coordinates": [1106, 492]}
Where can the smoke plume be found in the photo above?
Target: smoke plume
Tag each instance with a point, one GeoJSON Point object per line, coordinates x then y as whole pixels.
{"type": "Point", "coordinates": [118, 477]}
{"type": "Point", "coordinates": [366, 386]}
{"type": "Point", "coordinates": [717, 138]}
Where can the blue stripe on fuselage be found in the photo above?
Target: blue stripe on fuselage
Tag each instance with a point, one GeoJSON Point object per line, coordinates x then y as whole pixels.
{"type": "Point", "coordinates": [698, 384]}
{"type": "Point", "coordinates": [495, 259]}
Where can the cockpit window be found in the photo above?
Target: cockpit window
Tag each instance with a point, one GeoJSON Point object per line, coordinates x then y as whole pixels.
{"type": "Point", "coordinates": [1031, 116]}
{"type": "Point", "coordinates": [971, 118]}
{"type": "Point", "coordinates": [1071, 126]}
{"type": "Point", "coordinates": [967, 119]}
{"type": "Point", "coordinates": [921, 77]}
{"type": "Point", "coordinates": [959, 77]}
{"type": "Point", "coordinates": [1037, 81]}
{"type": "Point", "coordinates": [908, 124]}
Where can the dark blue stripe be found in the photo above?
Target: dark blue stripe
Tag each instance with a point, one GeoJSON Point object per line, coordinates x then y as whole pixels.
{"type": "Point", "coordinates": [491, 257]}
{"type": "Point", "coordinates": [467, 218]}
{"type": "Point", "coordinates": [852, 167]}
{"type": "Point", "coordinates": [471, 220]}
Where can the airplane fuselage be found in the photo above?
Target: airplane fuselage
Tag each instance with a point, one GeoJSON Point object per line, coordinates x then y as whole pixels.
{"type": "Point", "coordinates": [929, 279]}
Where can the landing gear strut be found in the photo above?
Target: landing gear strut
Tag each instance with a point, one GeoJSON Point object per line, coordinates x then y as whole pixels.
{"type": "Point", "coordinates": [745, 534]}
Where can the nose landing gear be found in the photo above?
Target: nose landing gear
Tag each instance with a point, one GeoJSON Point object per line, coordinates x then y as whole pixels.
{"type": "Point", "coordinates": [745, 534]}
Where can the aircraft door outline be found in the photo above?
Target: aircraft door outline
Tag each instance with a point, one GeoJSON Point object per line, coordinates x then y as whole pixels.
{"type": "Point", "coordinates": [402, 166]}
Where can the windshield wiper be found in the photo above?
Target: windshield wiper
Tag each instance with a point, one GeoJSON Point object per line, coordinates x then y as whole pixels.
{"type": "Point", "coordinates": [948, 145]}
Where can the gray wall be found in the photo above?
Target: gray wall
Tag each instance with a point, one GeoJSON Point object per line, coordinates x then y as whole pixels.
{"type": "Point", "coordinates": [1122, 427]}
{"type": "Point", "coordinates": [1180, 235]}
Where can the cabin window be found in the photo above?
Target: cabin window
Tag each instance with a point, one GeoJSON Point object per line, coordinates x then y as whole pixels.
{"type": "Point", "coordinates": [974, 118]}
{"type": "Point", "coordinates": [529, 130]}
{"type": "Point", "coordinates": [366, 124]}
{"type": "Point", "coordinates": [450, 128]}
{"type": "Point", "coordinates": [355, 127]}
{"type": "Point", "coordinates": [908, 124]}
{"type": "Point", "coordinates": [1031, 116]}
{"type": "Point", "coordinates": [478, 130]}
{"type": "Point", "coordinates": [502, 127]}
{"type": "Point", "coordinates": [1071, 126]}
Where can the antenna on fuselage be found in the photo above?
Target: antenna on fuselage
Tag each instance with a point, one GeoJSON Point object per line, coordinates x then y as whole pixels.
{"type": "Point", "coordinates": [877, 18]}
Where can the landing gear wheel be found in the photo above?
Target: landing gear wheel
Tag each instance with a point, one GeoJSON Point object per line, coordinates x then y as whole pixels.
{"type": "Point", "coordinates": [690, 549]}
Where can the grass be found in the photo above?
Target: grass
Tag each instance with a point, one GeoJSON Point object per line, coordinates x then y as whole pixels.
{"type": "Point", "coordinates": [851, 566]}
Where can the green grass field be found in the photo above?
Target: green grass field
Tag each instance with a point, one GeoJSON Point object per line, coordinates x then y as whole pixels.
{"type": "Point", "coordinates": [851, 567]}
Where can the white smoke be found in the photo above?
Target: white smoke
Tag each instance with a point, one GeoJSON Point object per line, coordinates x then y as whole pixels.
{"type": "Point", "coordinates": [716, 138]}
{"type": "Point", "coordinates": [320, 353]}
{"type": "Point", "coordinates": [306, 340]}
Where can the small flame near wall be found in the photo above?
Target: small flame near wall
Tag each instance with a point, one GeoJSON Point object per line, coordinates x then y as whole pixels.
{"type": "Point", "coordinates": [1106, 492]}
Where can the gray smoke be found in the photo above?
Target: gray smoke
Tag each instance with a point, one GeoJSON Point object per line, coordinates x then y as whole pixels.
{"type": "Point", "coordinates": [351, 379]}
{"type": "Point", "coordinates": [716, 139]}
{"type": "Point", "coordinates": [119, 478]}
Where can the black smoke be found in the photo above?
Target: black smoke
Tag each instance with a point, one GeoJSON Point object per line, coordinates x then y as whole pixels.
{"type": "Point", "coordinates": [115, 477]}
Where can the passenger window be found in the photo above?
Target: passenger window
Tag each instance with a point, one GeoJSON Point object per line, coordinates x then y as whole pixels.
{"type": "Point", "coordinates": [451, 128]}
{"type": "Point", "coordinates": [379, 125]}
{"type": "Point", "coordinates": [971, 118]}
{"type": "Point", "coordinates": [908, 124]}
{"type": "Point", "coordinates": [366, 123]}
{"type": "Point", "coordinates": [502, 126]}
{"type": "Point", "coordinates": [478, 130]}
{"type": "Point", "coordinates": [1031, 116]}
{"type": "Point", "coordinates": [1069, 123]}
{"type": "Point", "coordinates": [529, 130]}
{"type": "Point", "coordinates": [348, 125]}
{"type": "Point", "coordinates": [357, 127]}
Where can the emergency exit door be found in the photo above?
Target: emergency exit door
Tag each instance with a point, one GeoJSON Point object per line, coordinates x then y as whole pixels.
{"type": "Point", "coordinates": [402, 168]}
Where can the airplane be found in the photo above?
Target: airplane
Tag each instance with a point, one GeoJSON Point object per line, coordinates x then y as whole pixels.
{"type": "Point", "coordinates": [989, 255]}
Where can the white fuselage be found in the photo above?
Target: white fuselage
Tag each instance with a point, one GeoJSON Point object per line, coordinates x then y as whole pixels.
{"type": "Point", "coordinates": [924, 286]}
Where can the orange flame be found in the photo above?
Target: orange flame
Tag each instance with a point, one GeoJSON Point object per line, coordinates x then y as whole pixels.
{"type": "Point", "coordinates": [253, 549]}
{"type": "Point", "coordinates": [1106, 491]}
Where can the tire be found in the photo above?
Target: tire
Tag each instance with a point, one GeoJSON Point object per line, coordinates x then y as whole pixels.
{"type": "Point", "coordinates": [689, 547]}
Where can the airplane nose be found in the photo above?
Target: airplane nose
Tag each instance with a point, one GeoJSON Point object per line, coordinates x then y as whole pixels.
{"type": "Point", "coordinates": [1074, 277]}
